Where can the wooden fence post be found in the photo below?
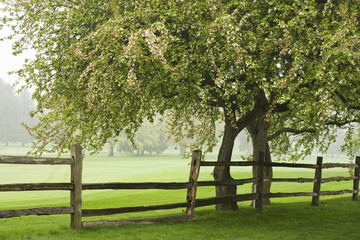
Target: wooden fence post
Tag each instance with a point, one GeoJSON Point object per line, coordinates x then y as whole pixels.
{"type": "Point", "coordinates": [260, 184]}
{"type": "Point", "coordinates": [76, 180]}
{"type": "Point", "coordinates": [194, 174]}
{"type": "Point", "coordinates": [356, 179]}
{"type": "Point", "coordinates": [317, 183]}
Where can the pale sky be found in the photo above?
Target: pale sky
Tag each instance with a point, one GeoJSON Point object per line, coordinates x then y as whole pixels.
{"type": "Point", "coordinates": [9, 62]}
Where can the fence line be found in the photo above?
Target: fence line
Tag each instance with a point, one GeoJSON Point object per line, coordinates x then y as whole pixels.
{"type": "Point", "coordinates": [76, 187]}
{"type": "Point", "coordinates": [317, 180]}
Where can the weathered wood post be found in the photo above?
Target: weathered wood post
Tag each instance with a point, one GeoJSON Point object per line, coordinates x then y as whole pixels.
{"type": "Point", "coordinates": [317, 183]}
{"type": "Point", "coordinates": [260, 185]}
{"type": "Point", "coordinates": [76, 180]}
{"type": "Point", "coordinates": [356, 179]}
{"type": "Point", "coordinates": [194, 174]}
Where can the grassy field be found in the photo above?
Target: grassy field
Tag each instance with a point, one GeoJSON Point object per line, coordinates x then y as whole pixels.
{"type": "Point", "coordinates": [286, 218]}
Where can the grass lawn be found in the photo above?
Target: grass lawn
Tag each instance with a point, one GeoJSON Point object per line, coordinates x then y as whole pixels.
{"type": "Point", "coordinates": [285, 218]}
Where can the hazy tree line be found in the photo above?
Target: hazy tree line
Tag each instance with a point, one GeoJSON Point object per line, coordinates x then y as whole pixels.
{"type": "Point", "coordinates": [14, 110]}
{"type": "Point", "coordinates": [151, 138]}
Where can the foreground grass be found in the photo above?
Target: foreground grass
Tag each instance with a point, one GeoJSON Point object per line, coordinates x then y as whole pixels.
{"type": "Point", "coordinates": [334, 219]}
{"type": "Point", "coordinates": [287, 218]}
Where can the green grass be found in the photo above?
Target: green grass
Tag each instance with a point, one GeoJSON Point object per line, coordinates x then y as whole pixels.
{"type": "Point", "coordinates": [285, 218]}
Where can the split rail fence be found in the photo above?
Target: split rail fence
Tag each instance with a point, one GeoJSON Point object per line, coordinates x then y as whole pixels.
{"type": "Point", "coordinates": [75, 186]}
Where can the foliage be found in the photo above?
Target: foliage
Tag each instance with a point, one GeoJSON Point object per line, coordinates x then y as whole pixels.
{"type": "Point", "coordinates": [104, 67]}
{"type": "Point", "coordinates": [336, 68]}
{"type": "Point", "coordinates": [352, 141]}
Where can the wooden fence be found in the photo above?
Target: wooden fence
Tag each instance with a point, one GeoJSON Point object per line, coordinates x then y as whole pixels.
{"type": "Point", "coordinates": [259, 180]}
{"type": "Point", "coordinates": [76, 187]}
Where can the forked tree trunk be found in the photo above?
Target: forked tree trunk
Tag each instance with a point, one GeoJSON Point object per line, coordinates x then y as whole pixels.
{"type": "Point", "coordinates": [223, 173]}
{"type": "Point", "coordinates": [258, 131]}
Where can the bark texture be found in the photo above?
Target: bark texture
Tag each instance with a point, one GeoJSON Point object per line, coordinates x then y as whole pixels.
{"type": "Point", "coordinates": [223, 173]}
{"type": "Point", "coordinates": [258, 131]}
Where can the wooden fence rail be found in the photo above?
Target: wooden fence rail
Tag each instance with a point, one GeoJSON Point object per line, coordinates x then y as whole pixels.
{"type": "Point", "coordinates": [35, 160]}
{"type": "Point", "coordinates": [144, 185]}
{"type": "Point", "coordinates": [36, 211]}
{"type": "Point", "coordinates": [317, 180]}
{"type": "Point", "coordinates": [35, 187]}
{"type": "Point", "coordinates": [76, 187]}
{"type": "Point", "coordinates": [161, 185]}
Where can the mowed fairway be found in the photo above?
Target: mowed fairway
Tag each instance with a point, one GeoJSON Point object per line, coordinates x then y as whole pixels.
{"type": "Point", "coordinates": [337, 217]}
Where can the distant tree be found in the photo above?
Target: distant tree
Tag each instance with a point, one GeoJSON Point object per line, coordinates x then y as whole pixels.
{"type": "Point", "coordinates": [25, 109]}
{"type": "Point", "coordinates": [14, 110]}
{"type": "Point", "coordinates": [8, 112]}
{"type": "Point", "coordinates": [149, 138]}
{"type": "Point", "coordinates": [123, 144]}
{"type": "Point", "coordinates": [112, 144]}
{"type": "Point", "coordinates": [244, 143]}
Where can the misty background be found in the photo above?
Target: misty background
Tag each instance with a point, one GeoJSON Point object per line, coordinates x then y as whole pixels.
{"type": "Point", "coordinates": [151, 138]}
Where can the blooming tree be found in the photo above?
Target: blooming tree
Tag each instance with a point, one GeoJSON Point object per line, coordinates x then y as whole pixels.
{"type": "Point", "coordinates": [104, 67]}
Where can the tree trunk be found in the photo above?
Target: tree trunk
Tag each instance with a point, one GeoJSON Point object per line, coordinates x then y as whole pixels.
{"type": "Point", "coordinates": [223, 173]}
{"type": "Point", "coordinates": [258, 131]}
{"type": "Point", "coordinates": [112, 144]}
{"type": "Point", "coordinates": [111, 148]}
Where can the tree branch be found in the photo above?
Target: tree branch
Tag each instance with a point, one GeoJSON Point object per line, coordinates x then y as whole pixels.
{"type": "Point", "coordinates": [283, 107]}
{"type": "Point", "coordinates": [355, 107]}
{"type": "Point", "coordinates": [308, 130]}
{"type": "Point", "coordinates": [345, 100]}
{"type": "Point", "coordinates": [339, 124]}
{"type": "Point", "coordinates": [289, 130]}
